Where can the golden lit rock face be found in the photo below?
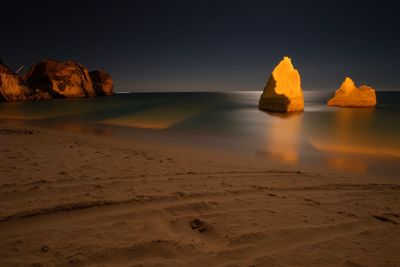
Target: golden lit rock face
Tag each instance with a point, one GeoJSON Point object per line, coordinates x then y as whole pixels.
{"type": "Point", "coordinates": [12, 87]}
{"type": "Point", "coordinates": [283, 91]}
{"type": "Point", "coordinates": [50, 78]}
{"type": "Point", "coordinates": [60, 79]}
{"type": "Point", "coordinates": [348, 95]}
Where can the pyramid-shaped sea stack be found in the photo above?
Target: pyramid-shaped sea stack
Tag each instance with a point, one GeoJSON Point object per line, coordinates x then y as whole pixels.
{"type": "Point", "coordinates": [283, 91]}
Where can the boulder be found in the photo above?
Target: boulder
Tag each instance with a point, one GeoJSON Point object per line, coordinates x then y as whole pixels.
{"type": "Point", "coordinates": [12, 87]}
{"type": "Point", "coordinates": [283, 91]}
{"type": "Point", "coordinates": [60, 79]}
{"type": "Point", "coordinates": [348, 95]}
{"type": "Point", "coordinates": [102, 82]}
{"type": "Point", "coordinates": [40, 94]}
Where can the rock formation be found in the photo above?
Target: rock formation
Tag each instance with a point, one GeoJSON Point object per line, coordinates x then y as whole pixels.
{"type": "Point", "coordinates": [348, 95]}
{"type": "Point", "coordinates": [49, 79]}
{"type": "Point", "coordinates": [283, 91]}
{"type": "Point", "coordinates": [12, 87]}
{"type": "Point", "coordinates": [60, 79]}
{"type": "Point", "coordinates": [102, 83]}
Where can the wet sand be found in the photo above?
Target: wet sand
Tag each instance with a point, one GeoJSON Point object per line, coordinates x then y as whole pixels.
{"type": "Point", "coordinates": [82, 200]}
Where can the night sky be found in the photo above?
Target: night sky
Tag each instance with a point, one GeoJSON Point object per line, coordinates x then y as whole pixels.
{"type": "Point", "coordinates": [209, 45]}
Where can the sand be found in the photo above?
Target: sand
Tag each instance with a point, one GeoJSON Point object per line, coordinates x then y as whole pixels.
{"type": "Point", "coordinates": [82, 200]}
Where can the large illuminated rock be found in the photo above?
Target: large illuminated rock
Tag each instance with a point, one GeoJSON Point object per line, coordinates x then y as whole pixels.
{"type": "Point", "coordinates": [12, 87]}
{"type": "Point", "coordinates": [102, 82]}
{"type": "Point", "coordinates": [348, 95]}
{"type": "Point", "coordinates": [60, 79]}
{"type": "Point", "coordinates": [51, 79]}
{"type": "Point", "coordinates": [283, 91]}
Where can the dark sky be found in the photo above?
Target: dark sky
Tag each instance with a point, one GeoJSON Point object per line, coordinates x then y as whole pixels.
{"type": "Point", "coordinates": [209, 45]}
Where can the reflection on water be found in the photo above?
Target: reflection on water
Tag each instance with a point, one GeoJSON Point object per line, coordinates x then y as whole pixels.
{"type": "Point", "coordinates": [41, 110]}
{"type": "Point", "coordinates": [355, 131]}
{"type": "Point", "coordinates": [282, 136]}
{"type": "Point", "coordinates": [347, 164]}
{"type": "Point", "coordinates": [356, 140]}
{"type": "Point", "coordinates": [157, 118]}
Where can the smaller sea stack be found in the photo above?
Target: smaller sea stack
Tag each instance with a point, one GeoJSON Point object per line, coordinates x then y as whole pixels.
{"type": "Point", "coordinates": [349, 95]}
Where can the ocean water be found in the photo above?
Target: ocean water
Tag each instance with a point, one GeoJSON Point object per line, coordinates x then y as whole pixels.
{"type": "Point", "coordinates": [357, 141]}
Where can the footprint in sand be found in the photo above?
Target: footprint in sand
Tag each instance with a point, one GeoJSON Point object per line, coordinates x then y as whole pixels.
{"type": "Point", "coordinates": [384, 219]}
{"type": "Point", "coordinates": [199, 225]}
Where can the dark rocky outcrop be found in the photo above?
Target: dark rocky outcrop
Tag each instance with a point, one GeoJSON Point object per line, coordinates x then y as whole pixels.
{"type": "Point", "coordinates": [60, 79]}
{"type": "Point", "coordinates": [102, 83]}
{"type": "Point", "coordinates": [12, 87]}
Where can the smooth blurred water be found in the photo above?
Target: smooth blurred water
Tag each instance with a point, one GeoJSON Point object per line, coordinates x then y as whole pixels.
{"type": "Point", "coordinates": [354, 140]}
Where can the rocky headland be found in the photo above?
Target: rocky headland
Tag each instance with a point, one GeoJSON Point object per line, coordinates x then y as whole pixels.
{"type": "Point", "coordinates": [53, 79]}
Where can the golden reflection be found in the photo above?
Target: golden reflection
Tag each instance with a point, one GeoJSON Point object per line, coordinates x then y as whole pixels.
{"type": "Point", "coordinates": [355, 149]}
{"type": "Point", "coordinates": [158, 118]}
{"type": "Point", "coordinates": [347, 164]}
{"type": "Point", "coordinates": [350, 124]}
{"type": "Point", "coordinates": [282, 136]}
{"type": "Point", "coordinates": [350, 139]}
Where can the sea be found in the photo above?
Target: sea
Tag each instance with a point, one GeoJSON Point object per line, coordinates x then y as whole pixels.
{"type": "Point", "coordinates": [351, 141]}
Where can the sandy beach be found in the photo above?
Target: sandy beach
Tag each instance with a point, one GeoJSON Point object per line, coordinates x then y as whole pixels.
{"type": "Point", "coordinates": [200, 133]}
{"type": "Point", "coordinates": [71, 199]}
